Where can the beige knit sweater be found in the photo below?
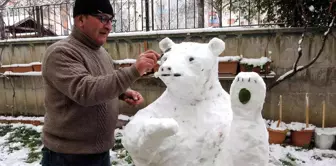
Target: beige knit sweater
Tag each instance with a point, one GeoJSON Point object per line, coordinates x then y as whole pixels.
{"type": "Point", "coordinates": [81, 95]}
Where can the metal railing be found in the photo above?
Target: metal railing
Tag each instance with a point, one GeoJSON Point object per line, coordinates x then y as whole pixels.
{"type": "Point", "coordinates": [140, 15]}
{"type": "Point", "coordinates": [37, 21]}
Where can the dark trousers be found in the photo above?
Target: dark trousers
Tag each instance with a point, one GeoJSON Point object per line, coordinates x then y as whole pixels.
{"type": "Point", "coordinates": [50, 158]}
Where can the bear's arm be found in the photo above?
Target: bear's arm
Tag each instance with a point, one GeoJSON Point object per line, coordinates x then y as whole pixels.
{"type": "Point", "coordinates": [144, 134]}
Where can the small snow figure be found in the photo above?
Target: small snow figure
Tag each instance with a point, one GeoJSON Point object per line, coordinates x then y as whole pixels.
{"type": "Point", "coordinates": [188, 122]}
{"type": "Point", "coordinates": [247, 143]}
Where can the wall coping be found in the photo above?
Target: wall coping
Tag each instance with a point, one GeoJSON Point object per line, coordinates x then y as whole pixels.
{"type": "Point", "coordinates": [178, 32]}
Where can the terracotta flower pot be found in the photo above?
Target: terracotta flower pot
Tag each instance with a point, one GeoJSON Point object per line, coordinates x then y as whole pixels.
{"type": "Point", "coordinates": [277, 136]}
{"type": "Point", "coordinates": [22, 69]}
{"type": "Point", "coordinates": [262, 70]}
{"type": "Point", "coordinates": [228, 67]}
{"type": "Point", "coordinates": [37, 67]}
{"type": "Point", "coordinates": [302, 138]}
{"type": "Point", "coordinates": [33, 122]}
{"type": "Point", "coordinates": [3, 69]}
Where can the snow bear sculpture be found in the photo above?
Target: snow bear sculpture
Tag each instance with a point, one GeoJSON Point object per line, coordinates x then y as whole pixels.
{"type": "Point", "coordinates": [247, 143]}
{"type": "Point", "coordinates": [188, 122]}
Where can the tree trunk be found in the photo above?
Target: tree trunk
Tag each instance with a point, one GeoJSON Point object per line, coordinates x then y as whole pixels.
{"type": "Point", "coordinates": [2, 27]}
{"type": "Point", "coordinates": [220, 15]}
{"type": "Point", "coordinates": [2, 23]}
{"type": "Point", "coordinates": [200, 7]}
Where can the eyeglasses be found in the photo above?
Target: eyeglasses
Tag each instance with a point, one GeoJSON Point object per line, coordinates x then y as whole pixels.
{"type": "Point", "coordinates": [103, 19]}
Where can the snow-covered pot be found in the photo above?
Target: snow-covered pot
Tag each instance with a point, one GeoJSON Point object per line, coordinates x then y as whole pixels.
{"type": "Point", "coordinates": [124, 63]}
{"type": "Point", "coordinates": [277, 134]}
{"type": "Point", "coordinates": [228, 64]}
{"type": "Point", "coordinates": [302, 138]}
{"type": "Point", "coordinates": [37, 66]}
{"type": "Point", "coordinates": [21, 69]}
{"type": "Point", "coordinates": [301, 135]}
{"type": "Point", "coordinates": [325, 138]}
{"type": "Point", "coordinates": [258, 65]}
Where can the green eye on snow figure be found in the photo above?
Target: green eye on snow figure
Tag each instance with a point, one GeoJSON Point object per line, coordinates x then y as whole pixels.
{"type": "Point", "coordinates": [244, 95]}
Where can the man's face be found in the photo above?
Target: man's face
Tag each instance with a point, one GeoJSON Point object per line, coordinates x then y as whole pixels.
{"type": "Point", "coordinates": [98, 27]}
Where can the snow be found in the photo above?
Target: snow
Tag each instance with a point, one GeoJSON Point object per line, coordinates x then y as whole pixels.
{"type": "Point", "coordinates": [255, 61]}
{"type": "Point", "coordinates": [311, 8]}
{"type": "Point", "coordinates": [297, 126]}
{"type": "Point", "coordinates": [148, 33]}
{"type": "Point", "coordinates": [299, 49]}
{"type": "Point", "coordinates": [17, 65]}
{"type": "Point", "coordinates": [193, 114]}
{"type": "Point", "coordinates": [220, 59]}
{"type": "Point", "coordinates": [16, 158]}
{"type": "Point", "coordinates": [326, 131]}
{"type": "Point", "coordinates": [295, 155]}
{"type": "Point", "coordinates": [37, 128]}
{"type": "Point", "coordinates": [229, 59]}
{"type": "Point", "coordinates": [187, 31]}
{"type": "Point", "coordinates": [22, 65]}
{"type": "Point", "coordinates": [124, 117]}
{"type": "Point", "coordinates": [288, 73]}
{"type": "Point", "coordinates": [41, 119]}
{"type": "Point", "coordinates": [301, 157]}
{"type": "Point", "coordinates": [274, 125]}
{"type": "Point", "coordinates": [300, 41]}
{"type": "Point", "coordinates": [247, 143]}
{"type": "Point", "coordinates": [31, 73]}
{"type": "Point", "coordinates": [125, 61]}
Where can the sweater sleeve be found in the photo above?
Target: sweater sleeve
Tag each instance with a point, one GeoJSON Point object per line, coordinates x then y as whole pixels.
{"type": "Point", "coordinates": [68, 74]}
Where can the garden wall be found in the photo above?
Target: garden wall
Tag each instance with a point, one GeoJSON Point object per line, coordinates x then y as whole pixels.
{"type": "Point", "coordinates": [24, 95]}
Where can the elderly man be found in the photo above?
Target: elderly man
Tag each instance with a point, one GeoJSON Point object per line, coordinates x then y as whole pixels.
{"type": "Point", "coordinates": [82, 90]}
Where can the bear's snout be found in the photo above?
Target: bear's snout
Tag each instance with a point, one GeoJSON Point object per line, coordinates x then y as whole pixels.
{"type": "Point", "coordinates": [167, 70]}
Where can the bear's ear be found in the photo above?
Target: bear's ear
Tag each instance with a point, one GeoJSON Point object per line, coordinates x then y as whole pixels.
{"type": "Point", "coordinates": [166, 44]}
{"type": "Point", "coordinates": [216, 46]}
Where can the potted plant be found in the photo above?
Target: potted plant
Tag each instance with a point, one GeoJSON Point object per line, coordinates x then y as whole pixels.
{"type": "Point", "coordinates": [228, 64]}
{"type": "Point", "coordinates": [277, 130]}
{"type": "Point", "coordinates": [19, 68]}
{"type": "Point", "coordinates": [36, 66]}
{"type": "Point", "coordinates": [259, 65]}
{"type": "Point", "coordinates": [3, 69]}
{"type": "Point", "coordinates": [302, 134]}
{"type": "Point", "coordinates": [324, 137]}
{"type": "Point", "coordinates": [124, 63]}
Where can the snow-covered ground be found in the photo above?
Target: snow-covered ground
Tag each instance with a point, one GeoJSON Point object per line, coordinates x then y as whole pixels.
{"type": "Point", "coordinates": [20, 145]}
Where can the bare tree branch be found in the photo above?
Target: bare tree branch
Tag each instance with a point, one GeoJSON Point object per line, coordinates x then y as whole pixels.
{"type": "Point", "coordinates": [295, 70]}
{"type": "Point", "coordinates": [3, 3]}
{"type": "Point", "coordinates": [304, 16]}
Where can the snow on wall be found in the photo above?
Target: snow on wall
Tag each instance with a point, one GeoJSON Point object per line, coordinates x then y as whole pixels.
{"type": "Point", "coordinates": [255, 61]}
{"type": "Point", "coordinates": [32, 73]}
{"type": "Point", "coordinates": [22, 64]}
{"type": "Point", "coordinates": [229, 59]}
{"type": "Point", "coordinates": [124, 61]}
{"type": "Point", "coordinates": [149, 33]}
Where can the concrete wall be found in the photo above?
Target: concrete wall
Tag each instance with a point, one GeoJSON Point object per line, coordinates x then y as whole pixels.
{"type": "Point", "coordinates": [318, 81]}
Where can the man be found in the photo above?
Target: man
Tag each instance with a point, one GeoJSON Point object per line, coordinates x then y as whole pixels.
{"type": "Point", "coordinates": [82, 90]}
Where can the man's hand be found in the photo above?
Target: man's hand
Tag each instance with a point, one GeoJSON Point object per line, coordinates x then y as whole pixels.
{"type": "Point", "coordinates": [146, 61]}
{"type": "Point", "coordinates": [132, 97]}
